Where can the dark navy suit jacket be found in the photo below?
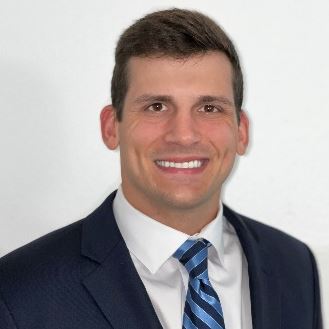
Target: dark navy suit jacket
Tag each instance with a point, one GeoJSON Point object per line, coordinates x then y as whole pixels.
{"type": "Point", "coordinates": [82, 277]}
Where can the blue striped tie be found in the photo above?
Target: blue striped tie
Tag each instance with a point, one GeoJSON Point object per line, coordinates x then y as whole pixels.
{"type": "Point", "coordinates": [202, 307]}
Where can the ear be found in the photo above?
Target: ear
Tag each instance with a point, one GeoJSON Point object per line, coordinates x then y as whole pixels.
{"type": "Point", "coordinates": [243, 133]}
{"type": "Point", "coordinates": [109, 127]}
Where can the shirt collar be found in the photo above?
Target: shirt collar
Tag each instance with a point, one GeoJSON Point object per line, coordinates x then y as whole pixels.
{"type": "Point", "coordinates": [152, 242]}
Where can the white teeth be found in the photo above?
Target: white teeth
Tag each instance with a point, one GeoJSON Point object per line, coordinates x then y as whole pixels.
{"type": "Point", "coordinates": [191, 164]}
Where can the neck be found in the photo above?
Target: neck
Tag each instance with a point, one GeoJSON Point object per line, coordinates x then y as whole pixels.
{"type": "Point", "coordinates": [189, 222]}
{"type": "Point", "coordinates": [189, 219]}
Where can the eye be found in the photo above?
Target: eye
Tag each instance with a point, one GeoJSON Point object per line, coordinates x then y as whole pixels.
{"type": "Point", "coordinates": [208, 108]}
{"type": "Point", "coordinates": [157, 107]}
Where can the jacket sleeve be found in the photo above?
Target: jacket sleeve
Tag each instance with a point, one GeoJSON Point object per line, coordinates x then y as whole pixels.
{"type": "Point", "coordinates": [317, 319]}
{"type": "Point", "coordinates": [6, 320]}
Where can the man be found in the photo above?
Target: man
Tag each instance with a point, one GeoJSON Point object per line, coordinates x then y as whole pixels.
{"type": "Point", "coordinates": [163, 251]}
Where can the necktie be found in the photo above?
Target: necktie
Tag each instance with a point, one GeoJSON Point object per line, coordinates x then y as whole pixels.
{"type": "Point", "coordinates": [202, 307]}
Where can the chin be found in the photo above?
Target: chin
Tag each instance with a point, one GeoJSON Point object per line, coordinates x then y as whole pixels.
{"type": "Point", "coordinates": [182, 200]}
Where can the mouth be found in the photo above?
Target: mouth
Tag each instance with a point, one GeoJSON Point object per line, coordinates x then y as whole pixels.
{"type": "Point", "coordinates": [181, 165]}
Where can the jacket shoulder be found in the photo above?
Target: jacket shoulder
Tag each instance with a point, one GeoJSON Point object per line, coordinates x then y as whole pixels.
{"type": "Point", "coordinates": [48, 244]}
{"type": "Point", "coordinates": [293, 260]}
{"type": "Point", "coordinates": [40, 259]}
{"type": "Point", "coordinates": [269, 236]}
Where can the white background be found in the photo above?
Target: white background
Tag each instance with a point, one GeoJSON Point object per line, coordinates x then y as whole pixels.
{"type": "Point", "coordinates": [56, 59]}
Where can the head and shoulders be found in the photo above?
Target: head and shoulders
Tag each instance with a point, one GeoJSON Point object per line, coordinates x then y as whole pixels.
{"type": "Point", "coordinates": [177, 117]}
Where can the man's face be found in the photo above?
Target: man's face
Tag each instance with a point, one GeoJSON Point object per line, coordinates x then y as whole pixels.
{"type": "Point", "coordinates": [179, 133]}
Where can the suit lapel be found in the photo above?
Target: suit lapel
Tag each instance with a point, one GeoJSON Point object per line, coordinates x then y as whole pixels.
{"type": "Point", "coordinates": [115, 284]}
{"type": "Point", "coordinates": [264, 280]}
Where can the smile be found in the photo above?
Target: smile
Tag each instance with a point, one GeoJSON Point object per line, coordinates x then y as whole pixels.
{"type": "Point", "coordinates": [180, 165]}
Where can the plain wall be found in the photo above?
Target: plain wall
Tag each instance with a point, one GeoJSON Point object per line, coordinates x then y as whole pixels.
{"type": "Point", "coordinates": [56, 59]}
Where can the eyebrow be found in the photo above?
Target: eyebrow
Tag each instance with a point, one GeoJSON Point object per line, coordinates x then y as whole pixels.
{"type": "Point", "coordinates": [214, 99]}
{"type": "Point", "coordinates": [146, 98]}
{"type": "Point", "coordinates": [202, 99]}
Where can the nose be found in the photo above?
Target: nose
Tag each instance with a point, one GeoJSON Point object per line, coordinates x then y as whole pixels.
{"type": "Point", "coordinates": [183, 129]}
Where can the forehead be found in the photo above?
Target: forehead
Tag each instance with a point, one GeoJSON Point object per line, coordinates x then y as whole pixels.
{"type": "Point", "coordinates": [204, 73]}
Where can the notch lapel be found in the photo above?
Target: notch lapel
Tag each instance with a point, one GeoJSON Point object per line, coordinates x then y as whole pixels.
{"type": "Point", "coordinates": [115, 284]}
{"type": "Point", "coordinates": [264, 283]}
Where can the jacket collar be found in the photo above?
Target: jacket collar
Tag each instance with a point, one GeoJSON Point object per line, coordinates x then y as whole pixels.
{"type": "Point", "coordinates": [264, 283]}
{"type": "Point", "coordinates": [114, 284]}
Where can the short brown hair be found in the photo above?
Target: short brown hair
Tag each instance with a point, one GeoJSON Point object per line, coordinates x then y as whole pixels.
{"type": "Point", "coordinates": [176, 33]}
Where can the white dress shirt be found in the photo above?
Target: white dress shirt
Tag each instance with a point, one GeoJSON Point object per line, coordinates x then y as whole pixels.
{"type": "Point", "coordinates": [151, 246]}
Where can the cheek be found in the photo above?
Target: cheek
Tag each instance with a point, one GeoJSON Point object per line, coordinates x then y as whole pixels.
{"type": "Point", "coordinates": [223, 138]}
{"type": "Point", "coordinates": [137, 138]}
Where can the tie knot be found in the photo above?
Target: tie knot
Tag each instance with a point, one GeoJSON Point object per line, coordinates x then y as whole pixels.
{"type": "Point", "coordinates": [193, 254]}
